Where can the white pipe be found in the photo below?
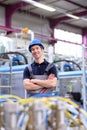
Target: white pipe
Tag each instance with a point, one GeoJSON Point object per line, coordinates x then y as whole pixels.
{"type": "Point", "coordinates": [31, 33]}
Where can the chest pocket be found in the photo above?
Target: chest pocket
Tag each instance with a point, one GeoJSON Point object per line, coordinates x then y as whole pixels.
{"type": "Point", "coordinates": [42, 77]}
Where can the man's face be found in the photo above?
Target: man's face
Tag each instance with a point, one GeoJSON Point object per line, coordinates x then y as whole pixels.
{"type": "Point", "coordinates": [37, 51]}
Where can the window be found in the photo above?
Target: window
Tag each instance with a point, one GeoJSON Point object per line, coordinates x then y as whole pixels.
{"type": "Point", "coordinates": [69, 44]}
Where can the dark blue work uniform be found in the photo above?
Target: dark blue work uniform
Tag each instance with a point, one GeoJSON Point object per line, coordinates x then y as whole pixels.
{"type": "Point", "coordinates": [39, 69]}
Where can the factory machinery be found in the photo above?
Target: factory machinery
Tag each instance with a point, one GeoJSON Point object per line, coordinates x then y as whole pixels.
{"type": "Point", "coordinates": [41, 113]}
{"type": "Point", "coordinates": [49, 112]}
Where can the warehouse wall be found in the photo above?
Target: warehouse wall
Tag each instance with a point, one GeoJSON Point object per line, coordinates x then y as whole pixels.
{"type": "Point", "coordinates": [39, 25]}
{"type": "Point", "coordinates": [20, 20]}
{"type": "Point", "coordinates": [69, 28]}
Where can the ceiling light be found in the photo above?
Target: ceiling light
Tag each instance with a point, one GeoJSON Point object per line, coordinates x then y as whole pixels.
{"type": "Point", "coordinates": [72, 16]}
{"type": "Point", "coordinates": [40, 5]}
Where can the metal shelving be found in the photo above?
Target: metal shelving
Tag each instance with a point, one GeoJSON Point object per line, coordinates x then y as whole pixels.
{"type": "Point", "coordinates": [5, 77]}
{"type": "Point", "coordinates": [84, 82]}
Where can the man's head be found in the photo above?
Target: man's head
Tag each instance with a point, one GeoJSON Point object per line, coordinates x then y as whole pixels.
{"type": "Point", "coordinates": [35, 42]}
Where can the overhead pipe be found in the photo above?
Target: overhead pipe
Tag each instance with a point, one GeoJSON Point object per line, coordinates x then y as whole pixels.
{"type": "Point", "coordinates": [68, 61]}
{"type": "Point", "coordinates": [9, 29]}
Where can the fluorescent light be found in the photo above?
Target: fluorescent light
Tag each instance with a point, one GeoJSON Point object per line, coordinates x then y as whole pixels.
{"type": "Point", "coordinates": [40, 5]}
{"type": "Point", "coordinates": [72, 16]}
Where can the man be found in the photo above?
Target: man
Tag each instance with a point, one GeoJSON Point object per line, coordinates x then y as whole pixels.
{"type": "Point", "coordinates": [35, 78]}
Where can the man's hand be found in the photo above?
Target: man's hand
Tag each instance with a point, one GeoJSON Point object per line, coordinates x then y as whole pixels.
{"type": "Point", "coordinates": [51, 76]}
{"type": "Point", "coordinates": [29, 85]}
{"type": "Point", "coordinates": [50, 82]}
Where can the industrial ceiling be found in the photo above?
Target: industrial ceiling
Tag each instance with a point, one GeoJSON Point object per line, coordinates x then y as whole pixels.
{"type": "Point", "coordinates": [77, 8]}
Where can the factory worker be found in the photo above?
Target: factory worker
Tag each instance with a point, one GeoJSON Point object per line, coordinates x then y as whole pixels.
{"type": "Point", "coordinates": [40, 76]}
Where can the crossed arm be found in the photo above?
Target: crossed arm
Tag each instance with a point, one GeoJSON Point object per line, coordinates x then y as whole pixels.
{"type": "Point", "coordinates": [35, 84]}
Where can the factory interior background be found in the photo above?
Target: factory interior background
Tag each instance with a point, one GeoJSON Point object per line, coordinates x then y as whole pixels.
{"type": "Point", "coordinates": [61, 25]}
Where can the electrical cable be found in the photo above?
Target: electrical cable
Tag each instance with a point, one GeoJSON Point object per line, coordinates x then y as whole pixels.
{"type": "Point", "coordinates": [62, 60]}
